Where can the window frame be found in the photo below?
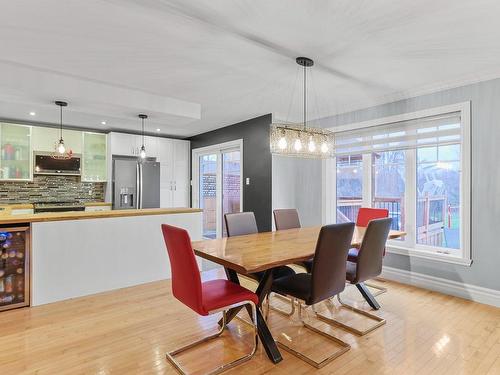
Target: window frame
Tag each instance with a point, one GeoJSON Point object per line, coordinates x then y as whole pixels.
{"type": "Point", "coordinates": [409, 247]}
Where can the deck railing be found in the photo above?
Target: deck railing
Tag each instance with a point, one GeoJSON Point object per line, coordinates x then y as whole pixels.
{"type": "Point", "coordinates": [432, 212]}
{"type": "Point", "coordinates": [347, 209]}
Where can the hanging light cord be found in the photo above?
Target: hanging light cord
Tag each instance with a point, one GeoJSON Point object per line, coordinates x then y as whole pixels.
{"type": "Point", "coordinates": [60, 123]}
{"type": "Point", "coordinates": [305, 98]}
{"type": "Point", "coordinates": [142, 119]}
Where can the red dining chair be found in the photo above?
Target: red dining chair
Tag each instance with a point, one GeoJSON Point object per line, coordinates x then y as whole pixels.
{"type": "Point", "coordinates": [203, 298]}
{"type": "Point", "coordinates": [365, 215]}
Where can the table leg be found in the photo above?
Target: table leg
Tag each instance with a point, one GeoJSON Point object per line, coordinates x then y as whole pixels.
{"type": "Point", "coordinates": [264, 334]}
{"type": "Point", "coordinates": [232, 275]}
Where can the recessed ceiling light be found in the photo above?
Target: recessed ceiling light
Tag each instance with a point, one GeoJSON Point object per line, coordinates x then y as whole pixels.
{"type": "Point", "coordinates": [158, 129]}
{"type": "Point", "coordinates": [32, 113]}
{"type": "Point", "coordinates": [103, 122]}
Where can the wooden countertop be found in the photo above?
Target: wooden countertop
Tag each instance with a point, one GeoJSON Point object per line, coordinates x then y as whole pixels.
{"type": "Point", "coordinates": [16, 206]}
{"type": "Point", "coordinates": [80, 215]}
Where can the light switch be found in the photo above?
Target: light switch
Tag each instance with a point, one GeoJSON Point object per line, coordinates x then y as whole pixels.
{"type": "Point", "coordinates": [247, 181]}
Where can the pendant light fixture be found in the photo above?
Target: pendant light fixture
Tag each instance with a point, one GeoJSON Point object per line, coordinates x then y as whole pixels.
{"type": "Point", "coordinates": [60, 149]}
{"type": "Point", "coordinates": [299, 140]}
{"type": "Point", "coordinates": [142, 152]}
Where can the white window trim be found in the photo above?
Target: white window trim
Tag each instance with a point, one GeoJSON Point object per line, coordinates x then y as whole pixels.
{"type": "Point", "coordinates": [420, 251]}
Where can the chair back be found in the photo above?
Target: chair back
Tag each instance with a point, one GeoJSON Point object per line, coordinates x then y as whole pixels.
{"type": "Point", "coordinates": [329, 264]}
{"type": "Point", "coordinates": [286, 218]}
{"type": "Point", "coordinates": [371, 252]}
{"type": "Point", "coordinates": [365, 214]}
{"type": "Point", "coordinates": [240, 223]}
{"type": "Point", "coordinates": [186, 280]}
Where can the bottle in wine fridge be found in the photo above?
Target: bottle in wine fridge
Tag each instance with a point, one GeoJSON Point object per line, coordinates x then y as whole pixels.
{"type": "Point", "coordinates": [14, 267]}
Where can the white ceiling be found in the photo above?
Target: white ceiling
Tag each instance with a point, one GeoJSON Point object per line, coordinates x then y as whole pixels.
{"type": "Point", "coordinates": [196, 65]}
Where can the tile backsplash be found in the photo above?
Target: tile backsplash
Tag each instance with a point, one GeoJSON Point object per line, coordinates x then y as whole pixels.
{"type": "Point", "coordinates": [51, 189]}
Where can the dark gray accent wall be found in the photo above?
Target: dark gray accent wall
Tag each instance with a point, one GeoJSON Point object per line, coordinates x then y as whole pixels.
{"type": "Point", "coordinates": [257, 163]}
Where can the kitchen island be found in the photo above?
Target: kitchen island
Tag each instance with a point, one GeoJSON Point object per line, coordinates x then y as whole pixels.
{"type": "Point", "coordinates": [74, 254]}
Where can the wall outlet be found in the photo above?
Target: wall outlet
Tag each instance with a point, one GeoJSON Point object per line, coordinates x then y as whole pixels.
{"type": "Point", "coordinates": [247, 181]}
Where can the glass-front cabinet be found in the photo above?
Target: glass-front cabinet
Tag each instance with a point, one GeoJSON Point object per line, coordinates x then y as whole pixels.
{"type": "Point", "coordinates": [15, 156]}
{"type": "Point", "coordinates": [94, 157]}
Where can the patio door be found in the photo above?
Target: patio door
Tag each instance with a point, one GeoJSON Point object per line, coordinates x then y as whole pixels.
{"type": "Point", "coordinates": [217, 184]}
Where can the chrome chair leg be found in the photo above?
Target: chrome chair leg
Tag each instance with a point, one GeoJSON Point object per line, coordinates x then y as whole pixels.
{"type": "Point", "coordinates": [344, 346]}
{"type": "Point", "coordinates": [380, 289]}
{"type": "Point", "coordinates": [170, 355]}
{"type": "Point", "coordinates": [379, 321]}
{"type": "Point", "coordinates": [277, 309]}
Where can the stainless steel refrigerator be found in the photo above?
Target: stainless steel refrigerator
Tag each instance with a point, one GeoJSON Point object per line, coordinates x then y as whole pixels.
{"type": "Point", "coordinates": [136, 184]}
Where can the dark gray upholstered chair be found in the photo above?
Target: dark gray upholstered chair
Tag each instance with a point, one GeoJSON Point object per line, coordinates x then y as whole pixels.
{"type": "Point", "coordinates": [367, 266]}
{"type": "Point", "coordinates": [288, 218]}
{"type": "Point", "coordinates": [327, 279]}
{"type": "Point", "coordinates": [241, 223]}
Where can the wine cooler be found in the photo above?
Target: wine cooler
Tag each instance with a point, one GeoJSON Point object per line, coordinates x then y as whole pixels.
{"type": "Point", "coordinates": [14, 267]}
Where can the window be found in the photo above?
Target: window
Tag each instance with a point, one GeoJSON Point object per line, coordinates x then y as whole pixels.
{"type": "Point", "coordinates": [349, 187]}
{"type": "Point", "coordinates": [417, 166]}
{"type": "Point", "coordinates": [438, 196]}
{"type": "Point", "coordinates": [388, 184]}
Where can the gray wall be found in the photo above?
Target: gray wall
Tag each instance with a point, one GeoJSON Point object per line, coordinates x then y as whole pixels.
{"type": "Point", "coordinates": [485, 122]}
{"type": "Point", "coordinates": [295, 185]}
{"type": "Point", "coordinates": [257, 163]}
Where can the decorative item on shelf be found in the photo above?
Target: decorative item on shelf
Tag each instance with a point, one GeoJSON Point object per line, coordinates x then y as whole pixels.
{"type": "Point", "coordinates": [142, 152]}
{"type": "Point", "coordinates": [60, 149]}
{"type": "Point", "coordinates": [300, 140]}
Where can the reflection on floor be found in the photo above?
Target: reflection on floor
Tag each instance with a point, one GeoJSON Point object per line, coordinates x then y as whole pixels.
{"type": "Point", "coordinates": [128, 331]}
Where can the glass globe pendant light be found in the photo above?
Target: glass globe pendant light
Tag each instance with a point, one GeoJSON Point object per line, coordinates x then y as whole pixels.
{"type": "Point", "coordinates": [60, 149]}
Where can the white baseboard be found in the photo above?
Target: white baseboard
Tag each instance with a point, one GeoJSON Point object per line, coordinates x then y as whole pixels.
{"type": "Point", "coordinates": [454, 288]}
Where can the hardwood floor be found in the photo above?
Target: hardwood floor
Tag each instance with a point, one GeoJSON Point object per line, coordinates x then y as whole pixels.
{"type": "Point", "coordinates": [128, 331]}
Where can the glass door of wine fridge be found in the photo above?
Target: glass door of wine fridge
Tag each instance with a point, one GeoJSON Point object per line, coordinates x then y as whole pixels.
{"type": "Point", "coordinates": [14, 267]}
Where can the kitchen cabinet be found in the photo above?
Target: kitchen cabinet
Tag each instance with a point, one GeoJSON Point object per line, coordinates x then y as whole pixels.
{"type": "Point", "coordinates": [123, 144]}
{"type": "Point", "coordinates": [45, 139]}
{"type": "Point", "coordinates": [174, 172]}
{"type": "Point", "coordinates": [130, 144]}
{"type": "Point", "coordinates": [94, 157]}
{"type": "Point", "coordinates": [15, 152]}
{"type": "Point", "coordinates": [173, 155]}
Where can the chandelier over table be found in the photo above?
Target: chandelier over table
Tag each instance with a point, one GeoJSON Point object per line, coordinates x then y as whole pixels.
{"type": "Point", "coordinates": [300, 140]}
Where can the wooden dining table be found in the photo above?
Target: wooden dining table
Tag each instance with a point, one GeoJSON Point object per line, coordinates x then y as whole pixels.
{"type": "Point", "coordinates": [264, 251]}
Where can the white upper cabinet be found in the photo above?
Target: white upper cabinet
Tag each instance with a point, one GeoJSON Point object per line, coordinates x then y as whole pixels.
{"type": "Point", "coordinates": [130, 144]}
{"type": "Point", "coordinates": [151, 144]}
{"type": "Point", "coordinates": [15, 152]}
{"type": "Point", "coordinates": [94, 157]}
{"type": "Point", "coordinates": [45, 139]}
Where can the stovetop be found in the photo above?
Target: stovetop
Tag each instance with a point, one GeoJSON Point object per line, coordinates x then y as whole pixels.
{"type": "Point", "coordinates": [58, 204]}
